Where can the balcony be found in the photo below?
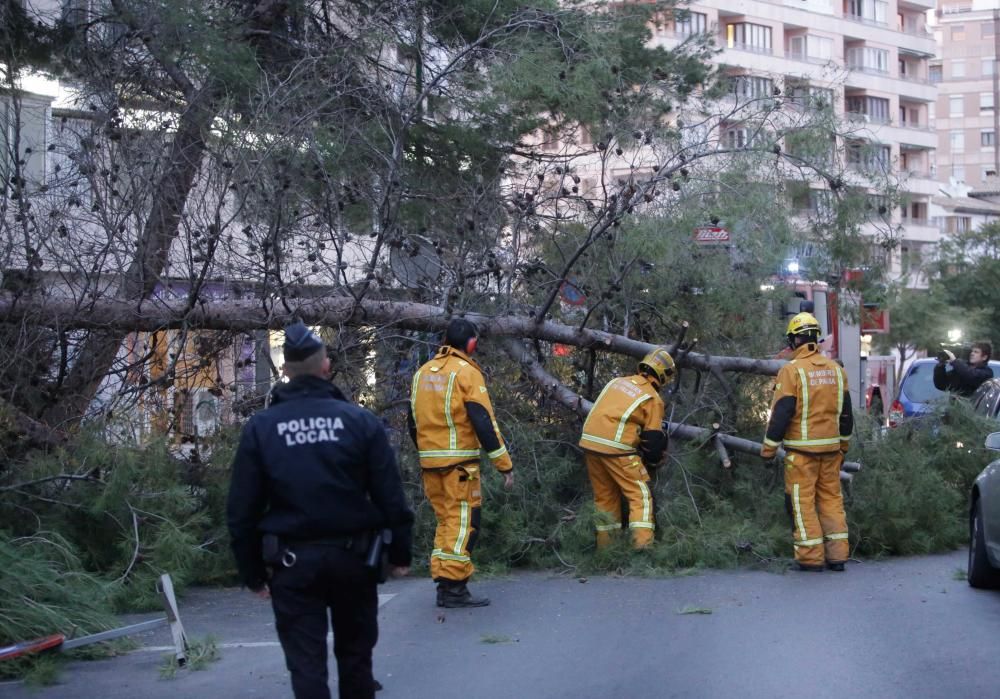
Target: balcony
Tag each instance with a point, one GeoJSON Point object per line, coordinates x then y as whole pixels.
{"type": "Point", "coordinates": [869, 70]}
{"type": "Point", "coordinates": [916, 79]}
{"type": "Point", "coordinates": [865, 20]}
{"type": "Point", "coordinates": [805, 58]}
{"type": "Point", "coordinates": [750, 48]}
{"type": "Point", "coordinates": [860, 118]}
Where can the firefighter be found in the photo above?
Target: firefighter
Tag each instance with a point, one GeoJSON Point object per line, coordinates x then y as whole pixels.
{"type": "Point", "coordinates": [811, 414]}
{"type": "Point", "coordinates": [451, 421]}
{"type": "Point", "coordinates": [623, 435]}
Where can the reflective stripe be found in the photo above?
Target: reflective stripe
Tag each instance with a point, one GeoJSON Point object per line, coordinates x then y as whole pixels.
{"type": "Point", "coordinates": [628, 413]}
{"type": "Point", "coordinates": [804, 420]}
{"type": "Point", "coordinates": [840, 392]}
{"type": "Point", "coordinates": [812, 442]}
{"type": "Point", "coordinates": [845, 438]}
{"type": "Point", "coordinates": [646, 502]}
{"type": "Point", "coordinates": [463, 528]}
{"type": "Point", "coordinates": [608, 527]}
{"type": "Point", "coordinates": [452, 432]}
{"type": "Point", "coordinates": [497, 453]}
{"type": "Point", "coordinates": [808, 542]}
{"type": "Point", "coordinates": [444, 453]}
{"type": "Point", "coordinates": [641, 525]}
{"type": "Point", "coordinates": [413, 394]}
{"type": "Point", "coordinates": [606, 442]}
{"type": "Point", "coordinates": [836, 537]}
{"type": "Point", "coordinates": [798, 511]}
{"type": "Point", "coordinates": [438, 553]}
{"type": "Point", "coordinates": [771, 442]}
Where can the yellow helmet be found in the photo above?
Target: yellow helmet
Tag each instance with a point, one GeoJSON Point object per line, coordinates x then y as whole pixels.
{"type": "Point", "coordinates": [659, 364]}
{"type": "Point", "coordinates": [802, 324]}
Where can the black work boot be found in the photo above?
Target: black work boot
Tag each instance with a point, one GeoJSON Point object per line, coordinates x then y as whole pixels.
{"type": "Point", "coordinates": [835, 565]}
{"type": "Point", "coordinates": [806, 568]}
{"type": "Point", "coordinates": [454, 594]}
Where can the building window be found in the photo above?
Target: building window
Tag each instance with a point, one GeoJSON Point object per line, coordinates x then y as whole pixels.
{"type": "Point", "coordinates": [868, 157]}
{"type": "Point", "coordinates": [867, 59]}
{"type": "Point", "coordinates": [934, 74]}
{"type": "Point", "coordinates": [986, 29]}
{"type": "Point", "coordinates": [987, 138]}
{"type": "Point", "coordinates": [958, 32]}
{"type": "Point", "coordinates": [955, 105]}
{"type": "Point", "coordinates": [986, 68]}
{"type": "Point", "coordinates": [958, 173]}
{"type": "Point", "coordinates": [749, 37]}
{"type": "Point", "coordinates": [810, 96]}
{"type": "Point", "coordinates": [876, 109]}
{"type": "Point", "coordinates": [987, 172]}
{"type": "Point", "coordinates": [818, 49]}
{"type": "Point", "coordinates": [986, 101]}
{"type": "Point", "coordinates": [956, 141]}
{"type": "Point", "coordinates": [958, 69]}
{"type": "Point", "coordinates": [752, 87]}
{"type": "Point", "coordinates": [693, 23]}
{"type": "Point", "coordinates": [740, 137]}
{"type": "Point", "coordinates": [868, 11]}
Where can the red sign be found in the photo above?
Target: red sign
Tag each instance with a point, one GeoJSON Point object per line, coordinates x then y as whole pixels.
{"type": "Point", "coordinates": [874, 320]}
{"type": "Point", "coordinates": [711, 235]}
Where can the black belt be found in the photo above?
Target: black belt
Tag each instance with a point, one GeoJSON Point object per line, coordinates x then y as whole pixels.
{"type": "Point", "coordinates": [343, 541]}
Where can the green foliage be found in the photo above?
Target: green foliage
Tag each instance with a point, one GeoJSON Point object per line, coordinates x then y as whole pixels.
{"type": "Point", "coordinates": [966, 271]}
{"type": "Point", "coordinates": [911, 497]}
{"type": "Point", "coordinates": [45, 589]}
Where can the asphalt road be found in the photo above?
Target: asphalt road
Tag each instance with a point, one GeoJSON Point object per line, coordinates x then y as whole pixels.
{"type": "Point", "coordinates": [898, 628]}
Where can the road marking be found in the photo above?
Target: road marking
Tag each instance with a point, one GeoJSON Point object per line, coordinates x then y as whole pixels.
{"type": "Point", "coordinates": [382, 600]}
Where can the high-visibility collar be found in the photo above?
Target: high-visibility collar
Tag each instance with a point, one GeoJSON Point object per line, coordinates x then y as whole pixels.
{"type": "Point", "coordinates": [806, 350]}
{"type": "Point", "coordinates": [448, 350]}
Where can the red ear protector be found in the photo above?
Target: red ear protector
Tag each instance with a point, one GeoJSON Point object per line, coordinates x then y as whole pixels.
{"type": "Point", "coordinates": [471, 344]}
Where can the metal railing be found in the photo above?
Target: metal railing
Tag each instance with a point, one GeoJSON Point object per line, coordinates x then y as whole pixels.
{"type": "Point", "coordinates": [739, 46]}
{"type": "Point", "coordinates": [868, 69]}
{"type": "Point", "coordinates": [860, 19]}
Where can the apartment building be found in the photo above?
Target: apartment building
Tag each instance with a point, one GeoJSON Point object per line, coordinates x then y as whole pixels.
{"type": "Point", "coordinates": [871, 58]}
{"type": "Point", "coordinates": [964, 72]}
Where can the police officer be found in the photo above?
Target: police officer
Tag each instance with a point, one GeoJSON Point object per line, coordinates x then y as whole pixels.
{"type": "Point", "coordinates": [313, 478]}
{"type": "Point", "coordinates": [811, 414]}
{"type": "Point", "coordinates": [451, 422]}
{"type": "Point", "coordinates": [623, 435]}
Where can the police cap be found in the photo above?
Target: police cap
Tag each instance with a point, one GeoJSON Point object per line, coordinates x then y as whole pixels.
{"type": "Point", "coordinates": [300, 342]}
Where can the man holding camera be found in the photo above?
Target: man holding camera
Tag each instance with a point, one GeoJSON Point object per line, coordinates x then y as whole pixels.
{"type": "Point", "coordinates": [963, 378]}
{"type": "Point", "coordinates": [314, 478]}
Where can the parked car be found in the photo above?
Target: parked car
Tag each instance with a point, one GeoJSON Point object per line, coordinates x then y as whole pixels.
{"type": "Point", "coordinates": [984, 507]}
{"type": "Point", "coordinates": [917, 394]}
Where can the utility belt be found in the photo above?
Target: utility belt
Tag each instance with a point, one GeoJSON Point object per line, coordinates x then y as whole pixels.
{"type": "Point", "coordinates": [463, 467]}
{"type": "Point", "coordinates": [372, 545]}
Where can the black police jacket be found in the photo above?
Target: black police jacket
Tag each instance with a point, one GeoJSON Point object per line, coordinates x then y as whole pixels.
{"type": "Point", "coordinates": [309, 467]}
{"type": "Point", "coordinates": [963, 378]}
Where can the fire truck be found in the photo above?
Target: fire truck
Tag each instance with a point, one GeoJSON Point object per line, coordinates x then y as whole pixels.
{"type": "Point", "coordinates": [871, 379]}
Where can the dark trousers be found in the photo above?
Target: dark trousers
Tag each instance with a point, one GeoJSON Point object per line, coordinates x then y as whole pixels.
{"type": "Point", "coordinates": [327, 580]}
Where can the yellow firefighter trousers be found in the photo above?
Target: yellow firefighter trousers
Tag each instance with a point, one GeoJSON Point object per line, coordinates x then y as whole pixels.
{"type": "Point", "coordinates": [816, 507]}
{"type": "Point", "coordinates": [456, 497]}
{"type": "Point", "coordinates": [614, 476]}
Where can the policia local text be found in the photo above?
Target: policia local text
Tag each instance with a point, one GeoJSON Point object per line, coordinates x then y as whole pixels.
{"type": "Point", "coordinates": [310, 430]}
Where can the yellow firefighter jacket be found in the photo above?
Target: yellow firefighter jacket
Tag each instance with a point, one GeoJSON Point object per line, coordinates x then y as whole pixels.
{"type": "Point", "coordinates": [445, 434]}
{"type": "Point", "coordinates": [626, 407]}
{"type": "Point", "coordinates": [811, 411]}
